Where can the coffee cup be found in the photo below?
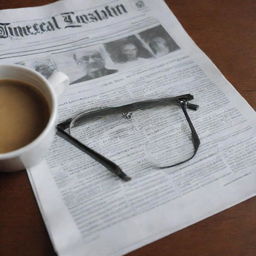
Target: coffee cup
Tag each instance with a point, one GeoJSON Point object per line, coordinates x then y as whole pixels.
{"type": "Point", "coordinates": [28, 115]}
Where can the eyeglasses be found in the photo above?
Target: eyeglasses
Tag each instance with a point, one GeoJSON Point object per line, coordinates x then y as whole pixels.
{"type": "Point", "coordinates": [126, 111]}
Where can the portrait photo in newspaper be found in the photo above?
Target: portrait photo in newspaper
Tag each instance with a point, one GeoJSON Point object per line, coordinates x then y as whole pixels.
{"type": "Point", "coordinates": [92, 61]}
{"type": "Point", "coordinates": [45, 66]}
{"type": "Point", "coordinates": [128, 50]}
{"type": "Point", "coordinates": [159, 41]}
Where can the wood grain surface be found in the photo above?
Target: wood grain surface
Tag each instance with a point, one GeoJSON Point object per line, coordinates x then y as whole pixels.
{"type": "Point", "coordinates": [226, 32]}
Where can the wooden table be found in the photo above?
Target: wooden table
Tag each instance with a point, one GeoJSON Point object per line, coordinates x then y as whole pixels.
{"type": "Point", "coordinates": [226, 32]}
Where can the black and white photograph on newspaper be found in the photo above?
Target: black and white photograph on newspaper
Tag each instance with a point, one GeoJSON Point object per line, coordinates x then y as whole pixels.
{"type": "Point", "coordinates": [45, 66]}
{"type": "Point", "coordinates": [128, 51]}
{"type": "Point", "coordinates": [159, 41]}
{"type": "Point", "coordinates": [92, 63]}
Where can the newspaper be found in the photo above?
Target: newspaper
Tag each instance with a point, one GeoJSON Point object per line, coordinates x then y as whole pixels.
{"type": "Point", "coordinates": [118, 52]}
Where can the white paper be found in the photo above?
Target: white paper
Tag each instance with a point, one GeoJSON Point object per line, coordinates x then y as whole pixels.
{"type": "Point", "coordinates": [89, 211]}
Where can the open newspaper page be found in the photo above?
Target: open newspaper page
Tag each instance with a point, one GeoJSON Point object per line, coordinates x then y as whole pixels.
{"type": "Point", "coordinates": [115, 53]}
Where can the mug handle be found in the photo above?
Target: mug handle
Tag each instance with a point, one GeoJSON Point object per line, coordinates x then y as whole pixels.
{"type": "Point", "coordinates": [59, 81]}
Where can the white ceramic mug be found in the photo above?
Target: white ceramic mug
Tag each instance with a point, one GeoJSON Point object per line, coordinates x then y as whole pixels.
{"type": "Point", "coordinates": [35, 151]}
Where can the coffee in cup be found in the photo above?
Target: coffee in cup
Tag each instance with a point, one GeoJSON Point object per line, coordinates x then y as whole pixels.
{"type": "Point", "coordinates": [24, 113]}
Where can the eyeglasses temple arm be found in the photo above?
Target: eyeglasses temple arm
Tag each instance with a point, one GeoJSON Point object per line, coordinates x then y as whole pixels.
{"type": "Point", "coordinates": [111, 166]}
{"type": "Point", "coordinates": [184, 104]}
{"type": "Point", "coordinates": [195, 138]}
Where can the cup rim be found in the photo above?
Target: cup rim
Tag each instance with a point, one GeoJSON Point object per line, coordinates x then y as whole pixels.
{"type": "Point", "coordinates": [50, 123]}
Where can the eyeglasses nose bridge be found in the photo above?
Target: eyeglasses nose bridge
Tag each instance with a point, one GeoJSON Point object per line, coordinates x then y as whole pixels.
{"type": "Point", "coordinates": [127, 115]}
